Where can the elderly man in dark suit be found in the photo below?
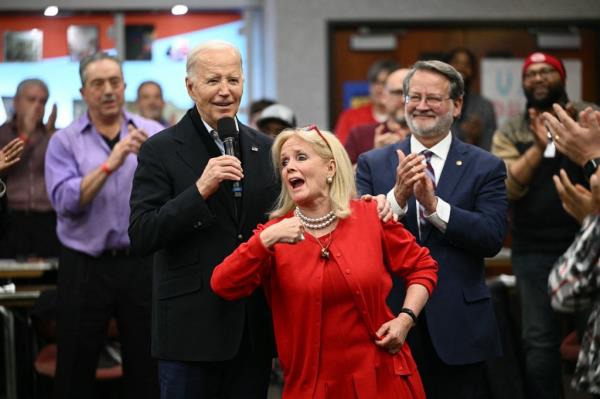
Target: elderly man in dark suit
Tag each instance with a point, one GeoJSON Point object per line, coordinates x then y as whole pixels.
{"type": "Point", "coordinates": [452, 197]}
{"type": "Point", "coordinates": [183, 210]}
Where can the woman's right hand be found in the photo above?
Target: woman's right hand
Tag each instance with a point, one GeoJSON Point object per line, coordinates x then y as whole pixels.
{"type": "Point", "coordinates": [288, 231]}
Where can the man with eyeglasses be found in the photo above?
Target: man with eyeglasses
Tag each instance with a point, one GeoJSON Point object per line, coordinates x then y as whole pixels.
{"type": "Point", "coordinates": [374, 111]}
{"type": "Point", "coordinates": [89, 174]}
{"type": "Point", "coordinates": [451, 196]}
{"type": "Point", "coordinates": [541, 229]}
{"type": "Point", "coordinates": [362, 138]}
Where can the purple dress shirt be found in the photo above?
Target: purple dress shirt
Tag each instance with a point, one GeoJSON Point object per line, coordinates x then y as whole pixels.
{"type": "Point", "coordinates": [73, 152]}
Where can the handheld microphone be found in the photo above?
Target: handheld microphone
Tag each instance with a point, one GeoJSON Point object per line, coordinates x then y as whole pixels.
{"type": "Point", "coordinates": [228, 134]}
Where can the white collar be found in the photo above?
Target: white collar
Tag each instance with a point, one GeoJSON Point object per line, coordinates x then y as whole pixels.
{"type": "Point", "coordinates": [440, 150]}
{"type": "Point", "coordinates": [210, 129]}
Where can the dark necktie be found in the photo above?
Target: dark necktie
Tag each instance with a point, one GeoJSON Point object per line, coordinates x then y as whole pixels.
{"type": "Point", "coordinates": [431, 174]}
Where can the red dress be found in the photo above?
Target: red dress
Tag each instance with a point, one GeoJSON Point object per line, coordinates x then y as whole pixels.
{"type": "Point", "coordinates": [326, 311]}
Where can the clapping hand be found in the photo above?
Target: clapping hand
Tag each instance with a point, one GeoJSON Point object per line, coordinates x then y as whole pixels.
{"type": "Point", "coordinates": [411, 168]}
{"type": "Point", "coordinates": [578, 141]}
{"type": "Point", "coordinates": [130, 144]}
{"type": "Point", "coordinates": [10, 154]}
{"type": "Point", "coordinates": [577, 201]}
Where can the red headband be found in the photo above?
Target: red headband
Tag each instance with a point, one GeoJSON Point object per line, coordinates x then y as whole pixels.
{"type": "Point", "coordinates": [536, 58]}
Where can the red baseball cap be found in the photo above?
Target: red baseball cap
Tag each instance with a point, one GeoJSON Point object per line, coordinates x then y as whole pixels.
{"type": "Point", "coordinates": [539, 57]}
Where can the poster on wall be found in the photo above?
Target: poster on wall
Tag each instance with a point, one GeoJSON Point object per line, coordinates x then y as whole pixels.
{"type": "Point", "coordinates": [23, 46]}
{"type": "Point", "coordinates": [82, 40]}
{"type": "Point", "coordinates": [501, 83]}
{"type": "Point", "coordinates": [138, 42]}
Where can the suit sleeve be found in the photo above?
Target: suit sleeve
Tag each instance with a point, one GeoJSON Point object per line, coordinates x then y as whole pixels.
{"type": "Point", "coordinates": [244, 270]}
{"type": "Point", "coordinates": [364, 178]}
{"type": "Point", "coordinates": [157, 217]}
{"type": "Point", "coordinates": [481, 229]}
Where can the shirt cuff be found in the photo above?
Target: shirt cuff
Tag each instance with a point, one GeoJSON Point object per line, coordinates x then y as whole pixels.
{"type": "Point", "coordinates": [441, 216]}
{"type": "Point", "coordinates": [395, 206]}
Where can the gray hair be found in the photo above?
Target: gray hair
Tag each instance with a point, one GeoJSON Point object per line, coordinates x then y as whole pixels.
{"type": "Point", "coordinates": [457, 84]}
{"type": "Point", "coordinates": [149, 82]}
{"type": "Point", "coordinates": [196, 52]}
{"type": "Point", "coordinates": [83, 64]}
{"type": "Point", "coordinates": [31, 82]}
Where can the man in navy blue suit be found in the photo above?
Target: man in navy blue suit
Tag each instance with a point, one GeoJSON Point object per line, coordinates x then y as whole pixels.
{"type": "Point", "coordinates": [452, 197]}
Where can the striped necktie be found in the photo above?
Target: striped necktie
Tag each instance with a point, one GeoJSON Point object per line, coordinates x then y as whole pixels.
{"type": "Point", "coordinates": [218, 141]}
{"type": "Point", "coordinates": [431, 174]}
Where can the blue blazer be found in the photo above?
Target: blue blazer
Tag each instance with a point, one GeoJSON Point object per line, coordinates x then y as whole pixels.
{"type": "Point", "coordinates": [459, 313]}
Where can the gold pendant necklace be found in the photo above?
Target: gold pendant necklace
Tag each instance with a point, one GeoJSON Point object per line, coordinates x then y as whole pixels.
{"type": "Point", "coordinates": [325, 249]}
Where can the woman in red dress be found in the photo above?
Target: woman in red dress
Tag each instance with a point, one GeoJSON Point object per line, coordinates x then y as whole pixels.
{"type": "Point", "coordinates": [324, 262]}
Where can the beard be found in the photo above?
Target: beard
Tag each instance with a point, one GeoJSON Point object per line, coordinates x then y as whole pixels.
{"type": "Point", "coordinates": [556, 94]}
{"type": "Point", "coordinates": [440, 126]}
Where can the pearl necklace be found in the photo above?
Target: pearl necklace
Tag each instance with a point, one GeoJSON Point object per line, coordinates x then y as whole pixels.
{"type": "Point", "coordinates": [315, 223]}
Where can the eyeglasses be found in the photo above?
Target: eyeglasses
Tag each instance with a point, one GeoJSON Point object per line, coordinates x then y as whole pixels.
{"type": "Point", "coordinates": [543, 73]}
{"type": "Point", "coordinates": [432, 101]}
{"type": "Point", "coordinates": [316, 129]}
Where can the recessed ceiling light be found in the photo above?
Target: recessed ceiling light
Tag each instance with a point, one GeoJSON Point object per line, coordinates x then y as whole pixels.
{"type": "Point", "coordinates": [179, 9]}
{"type": "Point", "coordinates": [51, 11]}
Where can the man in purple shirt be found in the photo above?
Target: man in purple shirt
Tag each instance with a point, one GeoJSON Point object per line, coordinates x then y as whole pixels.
{"type": "Point", "coordinates": [89, 173]}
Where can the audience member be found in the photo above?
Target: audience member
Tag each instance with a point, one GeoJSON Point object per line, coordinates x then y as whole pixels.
{"type": "Point", "coordinates": [335, 285]}
{"type": "Point", "coordinates": [460, 215]}
{"type": "Point", "coordinates": [362, 138]}
{"type": "Point", "coordinates": [89, 173]}
{"type": "Point", "coordinates": [183, 210]}
{"type": "Point", "coordinates": [10, 154]}
{"type": "Point", "coordinates": [275, 118]}
{"type": "Point", "coordinates": [150, 102]}
{"type": "Point", "coordinates": [477, 122]}
{"type": "Point", "coordinates": [256, 107]}
{"type": "Point", "coordinates": [374, 111]}
{"type": "Point", "coordinates": [573, 286]}
{"type": "Point", "coordinates": [541, 229]}
{"type": "Point", "coordinates": [573, 279]}
{"type": "Point", "coordinates": [31, 221]}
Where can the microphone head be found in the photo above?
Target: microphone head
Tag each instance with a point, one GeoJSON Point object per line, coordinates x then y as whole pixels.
{"type": "Point", "coordinates": [226, 128]}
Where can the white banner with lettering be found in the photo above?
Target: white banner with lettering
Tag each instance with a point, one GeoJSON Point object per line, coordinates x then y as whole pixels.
{"type": "Point", "coordinates": [501, 83]}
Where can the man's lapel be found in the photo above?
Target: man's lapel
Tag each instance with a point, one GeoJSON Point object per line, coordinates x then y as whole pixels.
{"type": "Point", "coordinates": [251, 151]}
{"type": "Point", "coordinates": [454, 167]}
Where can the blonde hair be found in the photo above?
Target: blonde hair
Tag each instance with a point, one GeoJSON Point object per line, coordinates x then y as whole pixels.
{"type": "Point", "coordinates": [343, 187]}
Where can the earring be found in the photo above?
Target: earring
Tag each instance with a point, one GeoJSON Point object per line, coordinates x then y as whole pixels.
{"type": "Point", "coordinates": [329, 180]}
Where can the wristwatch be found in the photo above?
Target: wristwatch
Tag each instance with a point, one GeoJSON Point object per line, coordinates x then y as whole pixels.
{"type": "Point", "coordinates": [590, 167]}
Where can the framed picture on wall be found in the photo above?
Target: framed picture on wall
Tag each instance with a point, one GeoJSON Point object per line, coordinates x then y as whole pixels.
{"type": "Point", "coordinates": [23, 46]}
{"type": "Point", "coordinates": [82, 40]}
{"type": "Point", "coordinates": [138, 42]}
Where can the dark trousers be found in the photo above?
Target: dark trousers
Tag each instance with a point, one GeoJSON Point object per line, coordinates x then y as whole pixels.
{"type": "Point", "coordinates": [246, 376]}
{"type": "Point", "coordinates": [441, 380]}
{"type": "Point", "coordinates": [91, 291]}
{"type": "Point", "coordinates": [29, 234]}
{"type": "Point", "coordinates": [541, 331]}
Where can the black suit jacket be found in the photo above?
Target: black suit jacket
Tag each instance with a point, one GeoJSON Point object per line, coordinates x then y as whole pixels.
{"type": "Point", "coordinates": [190, 235]}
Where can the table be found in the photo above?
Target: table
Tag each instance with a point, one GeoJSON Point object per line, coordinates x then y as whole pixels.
{"type": "Point", "coordinates": [11, 268]}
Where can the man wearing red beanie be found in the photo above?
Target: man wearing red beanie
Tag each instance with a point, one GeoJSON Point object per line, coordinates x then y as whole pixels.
{"type": "Point", "coordinates": [541, 229]}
